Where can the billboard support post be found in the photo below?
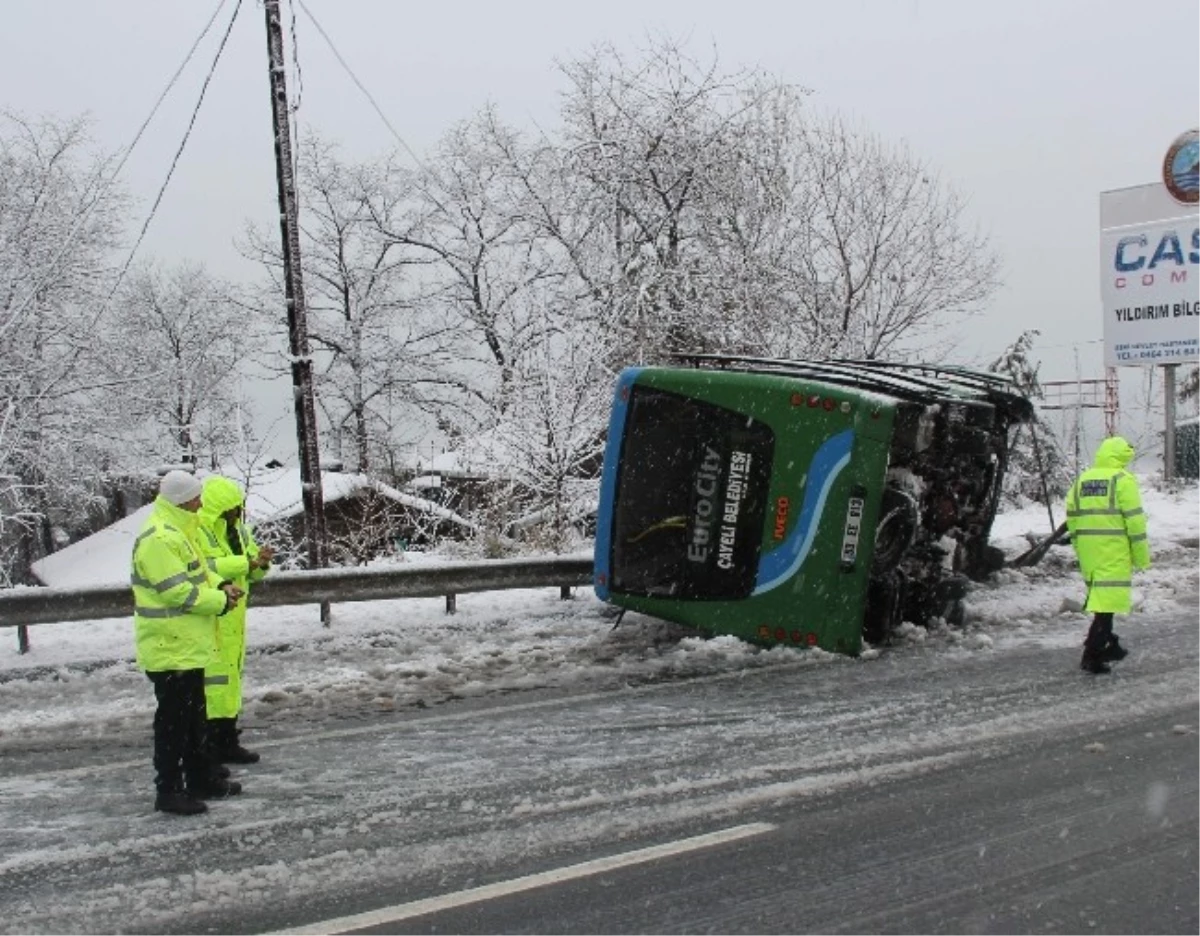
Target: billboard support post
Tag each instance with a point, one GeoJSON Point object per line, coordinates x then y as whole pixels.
{"type": "Point", "coordinates": [1169, 434]}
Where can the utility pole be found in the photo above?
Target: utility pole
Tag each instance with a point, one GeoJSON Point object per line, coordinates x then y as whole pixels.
{"type": "Point", "coordinates": [289, 227]}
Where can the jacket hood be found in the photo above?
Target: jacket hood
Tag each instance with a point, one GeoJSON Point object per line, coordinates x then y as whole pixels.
{"type": "Point", "coordinates": [181, 519]}
{"type": "Point", "coordinates": [220, 494]}
{"type": "Point", "coordinates": [1114, 452]}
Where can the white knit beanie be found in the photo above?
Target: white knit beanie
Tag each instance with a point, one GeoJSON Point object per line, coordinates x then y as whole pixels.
{"type": "Point", "coordinates": [179, 487]}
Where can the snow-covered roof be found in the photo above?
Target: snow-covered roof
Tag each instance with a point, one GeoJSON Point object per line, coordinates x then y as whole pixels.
{"type": "Point", "coordinates": [103, 557]}
{"type": "Point", "coordinates": [100, 559]}
{"type": "Point", "coordinates": [277, 494]}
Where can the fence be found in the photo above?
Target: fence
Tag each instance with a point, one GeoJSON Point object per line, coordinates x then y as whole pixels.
{"type": "Point", "coordinates": [23, 606]}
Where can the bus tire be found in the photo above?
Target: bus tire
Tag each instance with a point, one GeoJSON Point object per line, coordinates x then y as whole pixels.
{"type": "Point", "coordinates": [899, 520]}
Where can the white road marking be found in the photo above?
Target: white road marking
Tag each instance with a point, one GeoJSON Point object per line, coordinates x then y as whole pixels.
{"type": "Point", "coordinates": [473, 895]}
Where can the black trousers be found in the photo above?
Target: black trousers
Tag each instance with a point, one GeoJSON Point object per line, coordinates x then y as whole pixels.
{"type": "Point", "coordinates": [179, 730]}
{"type": "Point", "coordinates": [1099, 634]}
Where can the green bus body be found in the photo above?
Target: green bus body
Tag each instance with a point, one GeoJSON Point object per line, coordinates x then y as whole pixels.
{"type": "Point", "coordinates": [744, 496]}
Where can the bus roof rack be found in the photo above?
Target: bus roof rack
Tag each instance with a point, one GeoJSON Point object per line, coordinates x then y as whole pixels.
{"type": "Point", "coordinates": [918, 382]}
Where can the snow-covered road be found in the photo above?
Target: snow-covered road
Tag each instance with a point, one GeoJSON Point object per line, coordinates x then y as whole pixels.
{"type": "Point", "coordinates": [410, 752]}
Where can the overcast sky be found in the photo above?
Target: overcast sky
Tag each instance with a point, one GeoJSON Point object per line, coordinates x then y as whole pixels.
{"type": "Point", "coordinates": [1030, 107]}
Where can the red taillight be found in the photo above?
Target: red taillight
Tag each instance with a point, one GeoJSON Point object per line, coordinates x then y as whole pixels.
{"type": "Point", "coordinates": [829, 403]}
{"type": "Point", "coordinates": [812, 639]}
{"type": "Point", "coordinates": [814, 400]}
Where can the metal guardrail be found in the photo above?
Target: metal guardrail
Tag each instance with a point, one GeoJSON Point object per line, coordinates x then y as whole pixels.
{"type": "Point", "coordinates": [43, 605]}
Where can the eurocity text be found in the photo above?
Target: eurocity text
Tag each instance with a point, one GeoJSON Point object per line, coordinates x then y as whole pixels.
{"type": "Point", "coordinates": [706, 516]}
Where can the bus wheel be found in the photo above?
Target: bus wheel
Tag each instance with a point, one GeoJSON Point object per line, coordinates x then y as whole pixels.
{"type": "Point", "coordinates": [898, 524]}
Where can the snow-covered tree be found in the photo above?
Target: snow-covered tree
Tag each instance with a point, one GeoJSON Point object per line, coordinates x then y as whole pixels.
{"type": "Point", "coordinates": [648, 143]}
{"type": "Point", "coordinates": [482, 264]}
{"type": "Point", "coordinates": [554, 430]}
{"type": "Point", "coordinates": [177, 330]}
{"type": "Point", "coordinates": [378, 351]}
{"type": "Point", "coordinates": [59, 222]}
{"type": "Point", "coordinates": [886, 259]}
{"type": "Point", "coordinates": [1037, 469]}
{"type": "Point", "coordinates": [723, 215]}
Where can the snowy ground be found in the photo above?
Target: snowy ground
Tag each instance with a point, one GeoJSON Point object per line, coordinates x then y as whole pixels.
{"type": "Point", "coordinates": [562, 738]}
{"type": "Point", "coordinates": [79, 678]}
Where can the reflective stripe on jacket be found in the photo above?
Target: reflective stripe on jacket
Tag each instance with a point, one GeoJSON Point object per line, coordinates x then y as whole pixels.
{"type": "Point", "coordinates": [175, 597]}
{"type": "Point", "coordinates": [1108, 528]}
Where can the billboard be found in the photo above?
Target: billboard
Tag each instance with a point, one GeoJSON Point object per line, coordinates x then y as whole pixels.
{"type": "Point", "coordinates": [1150, 266]}
{"type": "Point", "coordinates": [1150, 277]}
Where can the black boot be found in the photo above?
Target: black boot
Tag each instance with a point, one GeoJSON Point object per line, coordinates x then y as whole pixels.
{"type": "Point", "coordinates": [1113, 651]}
{"type": "Point", "coordinates": [180, 804]}
{"type": "Point", "coordinates": [1092, 663]}
{"type": "Point", "coordinates": [217, 744]}
{"type": "Point", "coordinates": [234, 752]}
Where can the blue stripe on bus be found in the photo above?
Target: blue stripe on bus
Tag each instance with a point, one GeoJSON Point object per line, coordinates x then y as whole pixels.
{"type": "Point", "coordinates": [781, 564]}
{"type": "Point", "coordinates": [608, 480]}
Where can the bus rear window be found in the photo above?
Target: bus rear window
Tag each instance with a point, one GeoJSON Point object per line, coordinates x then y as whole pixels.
{"type": "Point", "coordinates": [691, 498]}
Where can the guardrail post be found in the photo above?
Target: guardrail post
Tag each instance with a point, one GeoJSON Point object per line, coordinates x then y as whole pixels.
{"type": "Point", "coordinates": [451, 603]}
{"type": "Point", "coordinates": [564, 592]}
{"type": "Point", "coordinates": [23, 638]}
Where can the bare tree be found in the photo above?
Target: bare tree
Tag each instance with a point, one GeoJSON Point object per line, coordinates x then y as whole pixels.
{"type": "Point", "coordinates": [887, 257]}
{"type": "Point", "coordinates": [483, 262]}
{"type": "Point", "coordinates": [379, 353]}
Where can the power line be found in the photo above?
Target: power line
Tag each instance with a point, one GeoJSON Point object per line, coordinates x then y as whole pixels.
{"type": "Point", "coordinates": [69, 241]}
{"type": "Point", "coordinates": [179, 152]}
{"type": "Point", "coordinates": [361, 86]}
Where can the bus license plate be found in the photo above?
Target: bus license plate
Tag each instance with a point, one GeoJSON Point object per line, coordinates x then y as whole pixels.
{"type": "Point", "coordinates": [854, 512]}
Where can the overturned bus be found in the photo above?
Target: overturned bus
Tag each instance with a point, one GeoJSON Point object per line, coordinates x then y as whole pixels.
{"type": "Point", "coordinates": [808, 503]}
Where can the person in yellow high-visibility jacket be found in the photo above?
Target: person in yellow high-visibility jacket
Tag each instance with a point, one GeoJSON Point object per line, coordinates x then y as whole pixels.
{"type": "Point", "coordinates": [176, 601]}
{"type": "Point", "coordinates": [1108, 530]}
{"type": "Point", "coordinates": [231, 552]}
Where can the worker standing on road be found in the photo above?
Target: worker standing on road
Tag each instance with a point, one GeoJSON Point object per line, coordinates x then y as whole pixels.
{"type": "Point", "coordinates": [1108, 530]}
{"type": "Point", "coordinates": [231, 553]}
{"type": "Point", "coordinates": [176, 601]}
